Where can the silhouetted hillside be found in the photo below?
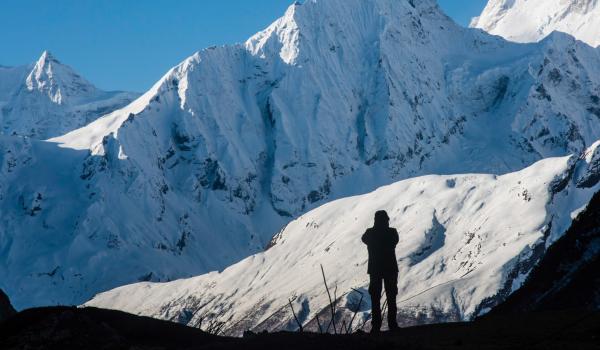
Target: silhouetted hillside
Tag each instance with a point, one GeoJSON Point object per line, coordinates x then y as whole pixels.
{"type": "Point", "coordinates": [90, 328]}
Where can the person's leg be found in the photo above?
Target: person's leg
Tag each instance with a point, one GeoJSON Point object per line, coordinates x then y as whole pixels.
{"type": "Point", "coordinates": [375, 292]}
{"type": "Point", "coordinates": [391, 291]}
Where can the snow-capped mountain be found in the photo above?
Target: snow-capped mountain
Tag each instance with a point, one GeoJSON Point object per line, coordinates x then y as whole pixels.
{"type": "Point", "coordinates": [236, 141]}
{"type": "Point", "coordinates": [532, 20]}
{"type": "Point", "coordinates": [466, 242]}
{"type": "Point", "coordinates": [49, 99]}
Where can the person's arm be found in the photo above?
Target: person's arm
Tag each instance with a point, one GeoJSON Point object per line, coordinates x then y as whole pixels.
{"type": "Point", "coordinates": [366, 238]}
{"type": "Point", "coordinates": [395, 237]}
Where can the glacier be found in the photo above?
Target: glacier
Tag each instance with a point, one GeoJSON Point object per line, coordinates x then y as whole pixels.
{"type": "Point", "coordinates": [235, 142]}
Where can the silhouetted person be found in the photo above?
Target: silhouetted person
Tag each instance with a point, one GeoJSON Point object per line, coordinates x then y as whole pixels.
{"type": "Point", "coordinates": [381, 241]}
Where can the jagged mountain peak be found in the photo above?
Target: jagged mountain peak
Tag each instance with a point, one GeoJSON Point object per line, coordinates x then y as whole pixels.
{"type": "Point", "coordinates": [316, 26]}
{"type": "Point", "coordinates": [532, 20]}
{"type": "Point", "coordinates": [58, 81]}
{"type": "Point", "coordinates": [48, 98]}
{"type": "Point", "coordinates": [46, 58]}
{"type": "Point", "coordinates": [313, 33]}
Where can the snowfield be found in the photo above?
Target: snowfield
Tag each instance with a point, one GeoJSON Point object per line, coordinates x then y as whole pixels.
{"type": "Point", "coordinates": [466, 241]}
{"type": "Point", "coordinates": [237, 141]}
{"type": "Point", "coordinates": [532, 20]}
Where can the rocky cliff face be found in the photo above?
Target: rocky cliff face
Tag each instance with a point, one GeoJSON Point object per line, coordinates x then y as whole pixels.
{"type": "Point", "coordinates": [236, 141]}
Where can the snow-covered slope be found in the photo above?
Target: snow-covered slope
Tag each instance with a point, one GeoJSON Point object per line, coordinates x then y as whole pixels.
{"type": "Point", "coordinates": [466, 241]}
{"type": "Point", "coordinates": [48, 99]}
{"type": "Point", "coordinates": [236, 141]}
{"type": "Point", "coordinates": [577, 256]}
{"type": "Point", "coordinates": [532, 20]}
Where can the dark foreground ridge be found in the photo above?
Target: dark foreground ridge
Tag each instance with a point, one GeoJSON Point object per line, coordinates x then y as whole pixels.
{"type": "Point", "coordinates": [90, 328]}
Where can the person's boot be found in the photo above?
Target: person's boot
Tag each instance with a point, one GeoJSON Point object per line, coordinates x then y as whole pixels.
{"type": "Point", "coordinates": [375, 328]}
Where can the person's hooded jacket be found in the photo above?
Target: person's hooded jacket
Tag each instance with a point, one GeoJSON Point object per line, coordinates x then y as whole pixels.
{"type": "Point", "coordinates": [381, 241]}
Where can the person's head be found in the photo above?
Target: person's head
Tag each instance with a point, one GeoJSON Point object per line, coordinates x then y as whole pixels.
{"type": "Point", "coordinates": [382, 219]}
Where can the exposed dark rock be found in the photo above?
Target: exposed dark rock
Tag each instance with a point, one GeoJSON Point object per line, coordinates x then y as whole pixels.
{"type": "Point", "coordinates": [213, 177]}
{"type": "Point", "coordinates": [561, 181]}
{"type": "Point", "coordinates": [314, 196]}
{"type": "Point", "coordinates": [592, 174]}
{"type": "Point", "coordinates": [181, 140]}
{"type": "Point", "coordinates": [543, 93]}
{"type": "Point", "coordinates": [555, 76]}
{"type": "Point", "coordinates": [595, 111]}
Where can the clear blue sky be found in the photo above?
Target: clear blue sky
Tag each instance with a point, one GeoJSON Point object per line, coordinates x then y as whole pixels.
{"type": "Point", "coordinates": [129, 44]}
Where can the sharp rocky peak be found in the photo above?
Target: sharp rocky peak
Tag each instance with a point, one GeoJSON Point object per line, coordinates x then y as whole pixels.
{"type": "Point", "coordinates": [56, 80]}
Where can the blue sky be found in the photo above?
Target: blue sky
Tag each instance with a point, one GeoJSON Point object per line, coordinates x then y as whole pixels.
{"type": "Point", "coordinates": [129, 44]}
